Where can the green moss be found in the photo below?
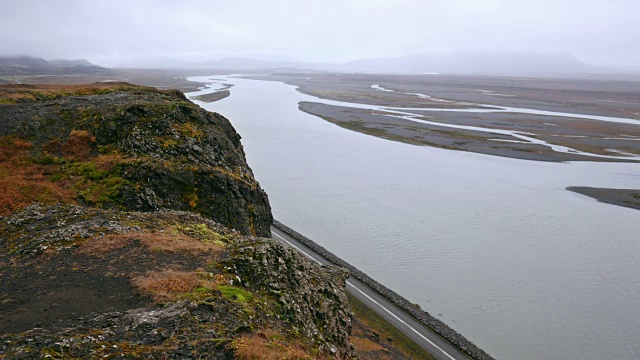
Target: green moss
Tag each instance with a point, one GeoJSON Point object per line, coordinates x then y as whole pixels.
{"type": "Point", "coordinates": [93, 185]}
{"type": "Point", "coordinates": [87, 170]}
{"type": "Point", "coordinates": [198, 294]}
{"type": "Point", "coordinates": [235, 293]}
{"type": "Point", "coordinates": [104, 191]}
{"type": "Point", "coordinates": [48, 160]}
{"type": "Point", "coordinates": [202, 233]}
{"type": "Point", "coordinates": [56, 177]}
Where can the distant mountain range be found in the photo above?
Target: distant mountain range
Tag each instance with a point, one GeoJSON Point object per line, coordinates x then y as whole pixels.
{"type": "Point", "coordinates": [25, 65]}
{"type": "Point", "coordinates": [467, 63]}
{"type": "Point", "coordinates": [462, 63]}
{"type": "Point", "coordinates": [477, 63]}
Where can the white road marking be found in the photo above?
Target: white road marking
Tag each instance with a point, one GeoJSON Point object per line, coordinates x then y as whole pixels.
{"type": "Point", "coordinates": [402, 321]}
{"type": "Point", "coordinates": [369, 297]}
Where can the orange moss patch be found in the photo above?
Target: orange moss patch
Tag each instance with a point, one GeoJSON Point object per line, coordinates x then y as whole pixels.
{"type": "Point", "coordinates": [168, 285]}
{"type": "Point", "coordinates": [109, 162]}
{"type": "Point", "coordinates": [269, 345]}
{"type": "Point", "coordinates": [78, 146]}
{"type": "Point", "coordinates": [157, 241]}
{"type": "Point", "coordinates": [23, 182]}
{"type": "Point", "coordinates": [188, 129]}
{"type": "Point", "coordinates": [11, 147]}
{"type": "Point", "coordinates": [80, 175]}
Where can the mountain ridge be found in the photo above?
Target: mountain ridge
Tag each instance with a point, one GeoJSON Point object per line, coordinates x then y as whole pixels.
{"type": "Point", "coordinates": [27, 65]}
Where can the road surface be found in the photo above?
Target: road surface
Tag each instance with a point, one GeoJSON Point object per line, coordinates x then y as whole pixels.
{"type": "Point", "coordinates": [430, 341]}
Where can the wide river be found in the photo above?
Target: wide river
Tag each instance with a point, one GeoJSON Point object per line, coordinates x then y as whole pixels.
{"type": "Point", "coordinates": [494, 247]}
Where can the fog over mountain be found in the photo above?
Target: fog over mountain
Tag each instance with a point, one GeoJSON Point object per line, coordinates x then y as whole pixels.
{"type": "Point", "coordinates": [26, 65]}
{"type": "Point", "coordinates": [442, 63]}
{"type": "Point", "coordinates": [465, 36]}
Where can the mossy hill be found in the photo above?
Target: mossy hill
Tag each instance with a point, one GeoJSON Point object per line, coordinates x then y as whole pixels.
{"type": "Point", "coordinates": [115, 145]}
{"type": "Point", "coordinates": [128, 224]}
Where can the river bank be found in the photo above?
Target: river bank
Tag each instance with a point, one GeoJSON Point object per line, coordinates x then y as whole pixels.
{"type": "Point", "coordinates": [484, 142]}
{"type": "Point", "coordinates": [621, 197]}
{"type": "Point", "coordinates": [521, 124]}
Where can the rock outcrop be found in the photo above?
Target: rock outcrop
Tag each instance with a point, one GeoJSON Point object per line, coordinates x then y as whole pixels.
{"type": "Point", "coordinates": [128, 229]}
{"type": "Point", "coordinates": [160, 285]}
{"type": "Point", "coordinates": [163, 152]}
{"type": "Point", "coordinates": [316, 306]}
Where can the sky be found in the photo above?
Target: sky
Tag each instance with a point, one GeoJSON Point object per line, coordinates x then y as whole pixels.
{"type": "Point", "coordinates": [121, 32]}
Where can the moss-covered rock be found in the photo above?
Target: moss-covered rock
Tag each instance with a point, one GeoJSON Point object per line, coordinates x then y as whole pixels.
{"type": "Point", "coordinates": [162, 284]}
{"type": "Point", "coordinates": [166, 152]}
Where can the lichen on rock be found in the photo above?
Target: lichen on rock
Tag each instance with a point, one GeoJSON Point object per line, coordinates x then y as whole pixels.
{"type": "Point", "coordinates": [311, 298]}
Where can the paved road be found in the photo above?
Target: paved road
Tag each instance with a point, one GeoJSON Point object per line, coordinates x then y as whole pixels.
{"type": "Point", "coordinates": [433, 343]}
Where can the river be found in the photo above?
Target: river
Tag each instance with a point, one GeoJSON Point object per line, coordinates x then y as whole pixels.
{"type": "Point", "coordinates": [494, 247]}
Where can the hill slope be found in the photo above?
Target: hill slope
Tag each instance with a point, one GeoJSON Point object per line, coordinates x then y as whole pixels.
{"type": "Point", "coordinates": [25, 65]}
{"type": "Point", "coordinates": [131, 148]}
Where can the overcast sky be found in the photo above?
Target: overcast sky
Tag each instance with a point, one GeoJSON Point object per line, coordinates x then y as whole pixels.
{"type": "Point", "coordinates": [116, 31]}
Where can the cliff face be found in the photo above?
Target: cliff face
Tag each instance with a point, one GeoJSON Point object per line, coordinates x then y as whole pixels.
{"type": "Point", "coordinates": [128, 219]}
{"type": "Point", "coordinates": [134, 148]}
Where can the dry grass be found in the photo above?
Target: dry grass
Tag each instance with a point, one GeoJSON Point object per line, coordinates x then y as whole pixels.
{"type": "Point", "coordinates": [269, 345]}
{"type": "Point", "coordinates": [166, 285]}
{"type": "Point", "coordinates": [156, 241]}
{"type": "Point", "coordinates": [109, 162]}
{"type": "Point", "coordinates": [48, 179]}
{"type": "Point", "coordinates": [78, 146]}
{"type": "Point", "coordinates": [23, 182]}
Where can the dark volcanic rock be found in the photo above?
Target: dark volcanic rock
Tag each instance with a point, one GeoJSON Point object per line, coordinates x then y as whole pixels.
{"type": "Point", "coordinates": [262, 265]}
{"type": "Point", "coordinates": [91, 271]}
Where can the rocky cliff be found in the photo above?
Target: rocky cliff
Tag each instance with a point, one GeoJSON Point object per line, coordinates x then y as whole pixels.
{"type": "Point", "coordinates": [130, 148]}
{"type": "Point", "coordinates": [128, 224]}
